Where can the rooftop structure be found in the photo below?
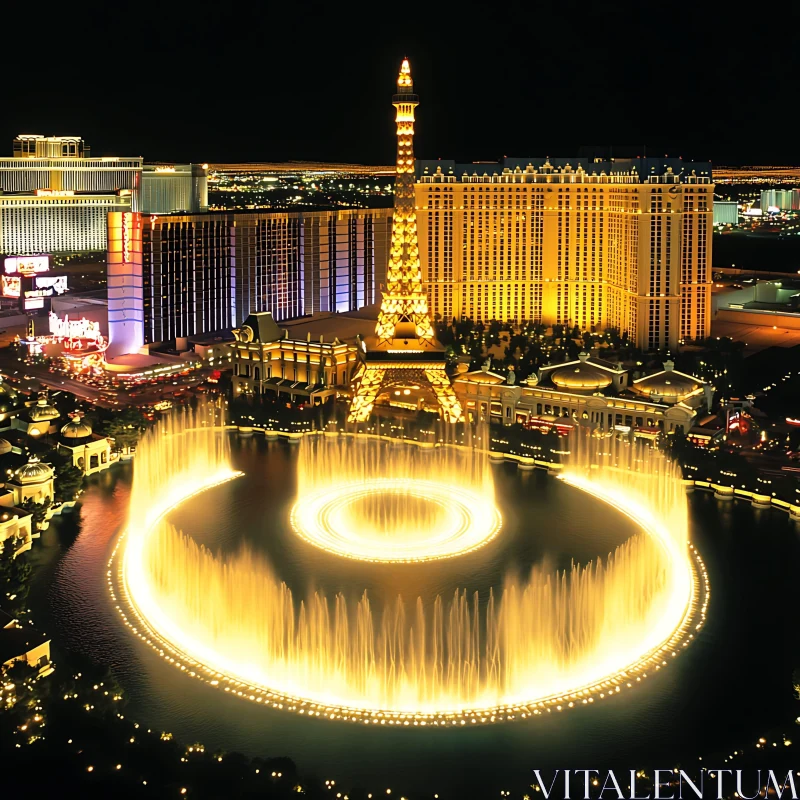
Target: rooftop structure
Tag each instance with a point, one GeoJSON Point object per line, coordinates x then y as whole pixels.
{"type": "Point", "coordinates": [566, 170]}
{"type": "Point", "coordinates": [773, 304]}
{"type": "Point", "coordinates": [23, 643]}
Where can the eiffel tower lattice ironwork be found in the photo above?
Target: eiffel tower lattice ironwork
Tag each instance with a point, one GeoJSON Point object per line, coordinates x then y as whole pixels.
{"type": "Point", "coordinates": [404, 349]}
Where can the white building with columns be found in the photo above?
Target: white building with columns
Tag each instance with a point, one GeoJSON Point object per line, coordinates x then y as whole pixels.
{"type": "Point", "coordinates": [589, 391]}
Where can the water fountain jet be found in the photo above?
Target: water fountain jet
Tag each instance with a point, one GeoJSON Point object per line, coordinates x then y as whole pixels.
{"type": "Point", "coordinates": [550, 640]}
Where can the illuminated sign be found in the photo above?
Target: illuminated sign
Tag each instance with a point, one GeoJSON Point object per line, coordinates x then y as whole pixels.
{"type": "Point", "coordinates": [26, 265]}
{"type": "Point", "coordinates": [34, 302]}
{"type": "Point", "coordinates": [165, 169]}
{"type": "Point", "coordinates": [48, 285]}
{"type": "Point", "coordinates": [53, 193]}
{"type": "Point", "coordinates": [10, 285]}
{"type": "Point", "coordinates": [126, 237]}
{"type": "Point", "coordinates": [74, 328]}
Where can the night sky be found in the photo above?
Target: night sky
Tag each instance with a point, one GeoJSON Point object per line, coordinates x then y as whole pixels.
{"type": "Point", "coordinates": [249, 81]}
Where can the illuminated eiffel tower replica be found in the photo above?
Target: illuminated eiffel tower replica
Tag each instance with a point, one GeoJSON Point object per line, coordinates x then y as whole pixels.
{"type": "Point", "coordinates": [404, 353]}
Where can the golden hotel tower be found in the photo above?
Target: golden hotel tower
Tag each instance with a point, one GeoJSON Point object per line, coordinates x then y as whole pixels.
{"type": "Point", "coordinates": [620, 244]}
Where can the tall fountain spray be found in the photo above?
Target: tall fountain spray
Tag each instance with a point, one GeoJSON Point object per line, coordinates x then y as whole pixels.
{"type": "Point", "coordinates": [534, 641]}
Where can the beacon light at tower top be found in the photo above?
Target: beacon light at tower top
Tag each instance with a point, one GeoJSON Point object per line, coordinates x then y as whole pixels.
{"type": "Point", "coordinates": [232, 621]}
{"type": "Point", "coordinates": [404, 78]}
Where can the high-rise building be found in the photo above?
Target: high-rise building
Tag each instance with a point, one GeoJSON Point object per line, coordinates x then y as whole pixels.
{"type": "Point", "coordinates": [622, 244]}
{"type": "Point", "coordinates": [404, 357]}
{"type": "Point", "coordinates": [197, 273]}
{"type": "Point", "coordinates": [54, 197]}
{"type": "Point", "coordinates": [169, 188]}
{"type": "Point", "coordinates": [768, 199]}
{"type": "Point", "coordinates": [726, 212]}
{"type": "Point", "coordinates": [64, 164]}
{"type": "Point", "coordinates": [782, 199]}
{"type": "Point", "coordinates": [51, 221]}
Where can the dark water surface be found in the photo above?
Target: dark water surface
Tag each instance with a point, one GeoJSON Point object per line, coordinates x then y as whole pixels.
{"type": "Point", "coordinates": [731, 685]}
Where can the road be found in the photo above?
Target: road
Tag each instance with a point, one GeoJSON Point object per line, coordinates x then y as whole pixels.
{"type": "Point", "coordinates": [142, 396]}
{"type": "Point", "coordinates": [42, 375]}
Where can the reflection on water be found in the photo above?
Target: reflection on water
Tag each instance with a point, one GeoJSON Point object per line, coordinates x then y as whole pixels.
{"type": "Point", "coordinates": [683, 710]}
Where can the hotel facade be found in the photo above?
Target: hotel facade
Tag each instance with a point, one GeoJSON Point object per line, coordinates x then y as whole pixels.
{"type": "Point", "coordinates": [179, 275]}
{"type": "Point", "coordinates": [622, 244]}
{"type": "Point", "coordinates": [55, 197]}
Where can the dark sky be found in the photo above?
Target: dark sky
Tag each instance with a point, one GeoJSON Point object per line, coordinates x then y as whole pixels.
{"type": "Point", "coordinates": [245, 81]}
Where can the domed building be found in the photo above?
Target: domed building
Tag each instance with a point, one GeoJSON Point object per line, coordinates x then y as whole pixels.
{"type": "Point", "coordinates": [582, 376]}
{"type": "Point", "coordinates": [38, 420]}
{"type": "Point", "coordinates": [15, 523]}
{"type": "Point", "coordinates": [90, 453]}
{"type": "Point", "coordinates": [31, 481]}
{"type": "Point", "coordinates": [590, 392]}
{"type": "Point", "coordinates": [669, 385]}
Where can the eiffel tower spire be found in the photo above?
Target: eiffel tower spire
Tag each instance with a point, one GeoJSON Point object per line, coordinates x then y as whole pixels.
{"type": "Point", "coordinates": [404, 353]}
{"type": "Point", "coordinates": [404, 309]}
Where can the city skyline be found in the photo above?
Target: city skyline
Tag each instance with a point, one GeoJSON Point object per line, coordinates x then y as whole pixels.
{"type": "Point", "coordinates": [243, 412]}
{"type": "Point", "coordinates": [549, 84]}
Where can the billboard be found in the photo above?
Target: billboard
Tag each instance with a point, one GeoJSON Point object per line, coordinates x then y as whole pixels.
{"type": "Point", "coordinates": [47, 286]}
{"type": "Point", "coordinates": [10, 285]}
{"type": "Point", "coordinates": [26, 265]}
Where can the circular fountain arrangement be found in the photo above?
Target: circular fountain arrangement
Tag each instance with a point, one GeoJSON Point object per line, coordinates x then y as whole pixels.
{"type": "Point", "coordinates": [344, 509]}
{"type": "Point", "coordinates": [539, 644]}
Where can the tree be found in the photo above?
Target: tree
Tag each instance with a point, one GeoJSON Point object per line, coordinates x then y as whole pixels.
{"type": "Point", "coordinates": [15, 572]}
{"type": "Point", "coordinates": [125, 428]}
{"type": "Point", "coordinates": [68, 479]}
{"type": "Point", "coordinates": [68, 483]}
{"type": "Point", "coordinates": [38, 511]}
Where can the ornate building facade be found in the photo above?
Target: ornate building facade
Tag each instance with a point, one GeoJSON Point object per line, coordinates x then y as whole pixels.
{"type": "Point", "coordinates": [622, 244]}
{"type": "Point", "coordinates": [268, 359]}
{"type": "Point", "coordinates": [89, 451]}
{"type": "Point", "coordinates": [590, 392]}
